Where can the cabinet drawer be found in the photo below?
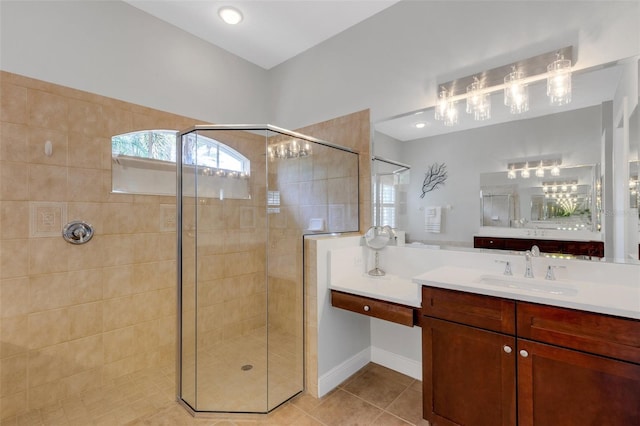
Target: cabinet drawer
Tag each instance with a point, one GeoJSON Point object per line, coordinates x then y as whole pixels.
{"type": "Point", "coordinates": [389, 311]}
{"type": "Point", "coordinates": [488, 242]}
{"type": "Point", "coordinates": [487, 312]}
{"type": "Point", "coordinates": [585, 331]}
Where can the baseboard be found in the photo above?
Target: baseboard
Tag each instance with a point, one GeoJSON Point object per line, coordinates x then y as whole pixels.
{"type": "Point", "coordinates": [399, 363]}
{"type": "Point", "coordinates": [338, 374]}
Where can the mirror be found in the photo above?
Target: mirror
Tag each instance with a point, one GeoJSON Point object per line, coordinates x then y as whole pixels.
{"type": "Point", "coordinates": [478, 198]}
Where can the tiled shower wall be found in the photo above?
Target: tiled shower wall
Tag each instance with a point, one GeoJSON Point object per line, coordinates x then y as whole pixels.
{"type": "Point", "coordinates": [75, 317]}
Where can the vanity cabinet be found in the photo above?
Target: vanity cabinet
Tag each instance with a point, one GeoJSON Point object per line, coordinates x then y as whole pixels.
{"type": "Point", "coordinates": [495, 361]}
{"type": "Point", "coordinates": [576, 248]}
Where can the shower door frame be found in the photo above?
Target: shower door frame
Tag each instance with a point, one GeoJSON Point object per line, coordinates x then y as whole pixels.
{"type": "Point", "coordinates": [179, 269]}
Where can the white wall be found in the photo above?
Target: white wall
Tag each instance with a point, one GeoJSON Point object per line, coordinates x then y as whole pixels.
{"type": "Point", "coordinates": [115, 50]}
{"type": "Point", "coordinates": [573, 136]}
{"type": "Point", "coordinates": [392, 61]}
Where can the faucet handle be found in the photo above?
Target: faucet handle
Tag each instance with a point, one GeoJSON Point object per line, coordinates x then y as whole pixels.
{"type": "Point", "coordinates": [550, 275]}
{"type": "Point", "coordinates": [507, 266]}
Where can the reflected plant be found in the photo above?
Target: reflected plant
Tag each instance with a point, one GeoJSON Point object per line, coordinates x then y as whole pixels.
{"type": "Point", "coordinates": [434, 177]}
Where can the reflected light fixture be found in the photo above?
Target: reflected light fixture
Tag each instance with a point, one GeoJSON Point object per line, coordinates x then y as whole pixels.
{"type": "Point", "coordinates": [230, 15]}
{"type": "Point", "coordinates": [559, 81]}
{"type": "Point", "coordinates": [511, 174]}
{"type": "Point", "coordinates": [525, 172]}
{"type": "Point", "coordinates": [516, 92]}
{"type": "Point", "coordinates": [555, 170]}
{"type": "Point", "coordinates": [420, 125]}
{"type": "Point", "coordinates": [540, 171]}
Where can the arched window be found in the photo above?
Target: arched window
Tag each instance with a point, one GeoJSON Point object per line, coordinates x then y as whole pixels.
{"type": "Point", "coordinates": [161, 145]}
{"type": "Point", "coordinates": [143, 162]}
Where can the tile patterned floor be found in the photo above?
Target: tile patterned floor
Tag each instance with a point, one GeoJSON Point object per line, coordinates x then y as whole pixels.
{"type": "Point", "coordinates": [375, 395]}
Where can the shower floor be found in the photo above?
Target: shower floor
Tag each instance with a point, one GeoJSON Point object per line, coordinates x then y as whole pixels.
{"type": "Point", "coordinates": [234, 375]}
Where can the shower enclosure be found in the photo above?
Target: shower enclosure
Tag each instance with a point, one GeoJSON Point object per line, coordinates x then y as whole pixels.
{"type": "Point", "coordinates": [247, 196]}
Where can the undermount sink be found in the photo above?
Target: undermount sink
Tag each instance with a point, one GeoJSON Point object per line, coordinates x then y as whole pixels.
{"type": "Point", "coordinates": [528, 284]}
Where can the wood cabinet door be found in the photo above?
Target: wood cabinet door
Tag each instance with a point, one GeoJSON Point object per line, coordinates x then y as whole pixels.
{"type": "Point", "coordinates": [558, 386]}
{"type": "Point", "coordinates": [468, 375]}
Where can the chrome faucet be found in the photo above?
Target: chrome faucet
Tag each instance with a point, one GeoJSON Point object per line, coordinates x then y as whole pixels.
{"type": "Point", "coordinates": [528, 269]}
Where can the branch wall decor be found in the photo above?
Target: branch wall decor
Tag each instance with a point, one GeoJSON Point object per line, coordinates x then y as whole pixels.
{"type": "Point", "coordinates": [434, 177]}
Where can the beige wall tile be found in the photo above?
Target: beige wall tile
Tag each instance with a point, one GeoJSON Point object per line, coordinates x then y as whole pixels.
{"type": "Point", "coordinates": [15, 259]}
{"type": "Point", "coordinates": [85, 286]}
{"type": "Point", "coordinates": [14, 219]}
{"type": "Point", "coordinates": [15, 336]}
{"type": "Point", "coordinates": [13, 142]}
{"type": "Point", "coordinates": [14, 298]}
{"type": "Point", "coordinates": [119, 344]}
{"type": "Point", "coordinates": [118, 313]}
{"type": "Point", "coordinates": [48, 328]}
{"type": "Point", "coordinates": [117, 281]}
{"type": "Point", "coordinates": [84, 354]}
{"type": "Point", "coordinates": [14, 181]}
{"type": "Point", "coordinates": [47, 183]}
{"type": "Point", "coordinates": [85, 118]}
{"type": "Point", "coordinates": [48, 255]}
{"type": "Point", "coordinates": [85, 320]}
{"type": "Point", "coordinates": [84, 184]}
{"type": "Point", "coordinates": [82, 382]}
{"type": "Point", "coordinates": [91, 213]}
{"type": "Point", "coordinates": [13, 107]}
{"type": "Point", "coordinates": [13, 405]}
{"type": "Point", "coordinates": [47, 110]}
{"type": "Point", "coordinates": [13, 375]}
{"type": "Point", "coordinates": [47, 394]}
{"type": "Point", "coordinates": [91, 255]}
{"type": "Point", "coordinates": [48, 291]}
{"type": "Point", "coordinates": [48, 365]}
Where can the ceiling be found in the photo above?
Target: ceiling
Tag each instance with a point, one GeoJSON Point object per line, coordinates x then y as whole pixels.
{"type": "Point", "coordinates": [271, 31]}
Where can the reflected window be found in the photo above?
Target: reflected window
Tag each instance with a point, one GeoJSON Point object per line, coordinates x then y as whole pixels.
{"type": "Point", "coordinates": [387, 205]}
{"type": "Point", "coordinates": [203, 151]}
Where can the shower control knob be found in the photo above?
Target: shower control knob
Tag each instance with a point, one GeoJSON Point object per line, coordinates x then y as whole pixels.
{"type": "Point", "coordinates": [366, 308]}
{"type": "Point", "coordinates": [77, 232]}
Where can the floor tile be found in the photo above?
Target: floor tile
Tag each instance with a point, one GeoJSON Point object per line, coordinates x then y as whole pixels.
{"type": "Point", "coordinates": [342, 408]}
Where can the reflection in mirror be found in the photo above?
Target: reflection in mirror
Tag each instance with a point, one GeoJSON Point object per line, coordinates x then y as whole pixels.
{"type": "Point", "coordinates": [577, 135]}
{"type": "Point", "coordinates": [389, 186]}
{"type": "Point", "coordinates": [565, 202]}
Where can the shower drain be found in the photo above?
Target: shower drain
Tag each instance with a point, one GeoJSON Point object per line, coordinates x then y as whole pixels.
{"type": "Point", "coordinates": [246, 367]}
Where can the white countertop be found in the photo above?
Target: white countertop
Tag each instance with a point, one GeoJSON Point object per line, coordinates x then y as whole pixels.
{"type": "Point", "coordinates": [612, 299]}
{"type": "Point", "coordinates": [389, 287]}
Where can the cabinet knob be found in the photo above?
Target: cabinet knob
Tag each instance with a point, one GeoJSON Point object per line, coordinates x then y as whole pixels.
{"type": "Point", "coordinates": [366, 308]}
{"type": "Point", "coordinates": [524, 353]}
{"type": "Point", "coordinates": [507, 349]}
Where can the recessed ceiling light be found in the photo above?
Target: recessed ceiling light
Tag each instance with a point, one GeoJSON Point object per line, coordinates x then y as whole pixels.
{"type": "Point", "coordinates": [230, 15]}
{"type": "Point", "coordinates": [420, 125]}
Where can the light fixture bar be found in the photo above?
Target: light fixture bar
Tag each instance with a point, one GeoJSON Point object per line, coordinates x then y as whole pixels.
{"type": "Point", "coordinates": [534, 68]}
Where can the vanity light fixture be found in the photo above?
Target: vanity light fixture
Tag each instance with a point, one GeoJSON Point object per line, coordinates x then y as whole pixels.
{"type": "Point", "coordinates": [540, 171]}
{"type": "Point", "coordinates": [555, 170]}
{"type": "Point", "coordinates": [446, 109]}
{"type": "Point", "coordinates": [559, 81]}
{"type": "Point", "coordinates": [516, 92]}
{"type": "Point", "coordinates": [511, 174]}
{"type": "Point", "coordinates": [478, 101]}
{"type": "Point", "coordinates": [513, 80]}
{"type": "Point", "coordinates": [525, 172]}
{"type": "Point", "coordinates": [230, 15]}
